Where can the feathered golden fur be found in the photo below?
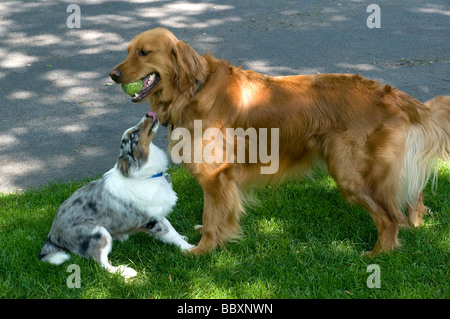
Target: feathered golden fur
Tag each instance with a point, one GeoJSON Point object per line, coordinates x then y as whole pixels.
{"type": "Point", "coordinates": [377, 142]}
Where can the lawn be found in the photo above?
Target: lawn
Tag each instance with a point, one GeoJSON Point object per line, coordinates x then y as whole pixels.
{"type": "Point", "coordinates": [303, 241]}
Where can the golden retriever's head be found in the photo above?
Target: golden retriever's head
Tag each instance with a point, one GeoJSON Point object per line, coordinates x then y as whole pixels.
{"type": "Point", "coordinates": [167, 66]}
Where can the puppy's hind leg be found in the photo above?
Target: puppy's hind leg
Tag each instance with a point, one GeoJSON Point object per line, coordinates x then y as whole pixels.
{"type": "Point", "coordinates": [52, 253]}
{"type": "Point", "coordinates": [165, 232]}
{"type": "Point", "coordinates": [99, 246]}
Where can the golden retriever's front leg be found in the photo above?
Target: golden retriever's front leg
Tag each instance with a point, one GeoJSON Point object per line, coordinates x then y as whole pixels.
{"type": "Point", "coordinates": [210, 228]}
{"type": "Point", "coordinates": [221, 211]}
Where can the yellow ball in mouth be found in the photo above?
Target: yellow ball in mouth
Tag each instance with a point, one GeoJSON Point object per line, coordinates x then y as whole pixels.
{"type": "Point", "coordinates": [132, 88]}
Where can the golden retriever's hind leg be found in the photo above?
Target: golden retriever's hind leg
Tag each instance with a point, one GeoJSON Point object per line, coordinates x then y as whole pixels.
{"type": "Point", "coordinates": [416, 213]}
{"type": "Point", "coordinates": [381, 205]}
{"type": "Point", "coordinates": [387, 234]}
{"type": "Point", "coordinates": [376, 191]}
{"type": "Point", "coordinates": [383, 212]}
{"type": "Point", "coordinates": [221, 212]}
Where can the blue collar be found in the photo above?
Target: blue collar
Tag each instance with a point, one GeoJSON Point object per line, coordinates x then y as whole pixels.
{"type": "Point", "coordinates": [160, 174]}
{"type": "Point", "coordinates": [157, 175]}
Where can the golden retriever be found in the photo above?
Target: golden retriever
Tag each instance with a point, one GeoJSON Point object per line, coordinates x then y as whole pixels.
{"type": "Point", "coordinates": [378, 143]}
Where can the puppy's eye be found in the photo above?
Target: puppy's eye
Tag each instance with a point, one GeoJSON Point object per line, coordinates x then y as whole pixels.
{"type": "Point", "coordinates": [133, 135]}
{"type": "Point", "coordinates": [144, 53]}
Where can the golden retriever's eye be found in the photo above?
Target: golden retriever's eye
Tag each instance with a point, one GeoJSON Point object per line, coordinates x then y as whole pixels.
{"type": "Point", "coordinates": [144, 53]}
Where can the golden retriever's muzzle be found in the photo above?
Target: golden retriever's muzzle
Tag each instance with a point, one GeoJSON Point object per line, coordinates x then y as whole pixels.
{"type": "Point", "coordinates": [149, 83]}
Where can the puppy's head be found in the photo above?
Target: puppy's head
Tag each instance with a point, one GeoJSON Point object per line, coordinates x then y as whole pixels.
{"type": "Point", "coordinates": [166, 66]}
{"type": "Point", "coordinates": [135, 144]}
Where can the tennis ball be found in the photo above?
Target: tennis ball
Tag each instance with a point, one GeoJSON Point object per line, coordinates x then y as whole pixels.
{"type": "Point", "coordinates": [132, 88]}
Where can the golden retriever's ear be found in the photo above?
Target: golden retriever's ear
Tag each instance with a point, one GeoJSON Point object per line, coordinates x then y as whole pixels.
{"type": "Point", "coordinates": [190, 66]}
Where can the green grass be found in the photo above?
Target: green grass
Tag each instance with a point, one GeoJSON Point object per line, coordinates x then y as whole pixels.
{"type": "Point", "coordinates": [303, 241]}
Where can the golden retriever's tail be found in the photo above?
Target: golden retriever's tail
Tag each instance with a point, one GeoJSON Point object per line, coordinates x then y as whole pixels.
{"type": "Point", "coordinates": [427, 142]}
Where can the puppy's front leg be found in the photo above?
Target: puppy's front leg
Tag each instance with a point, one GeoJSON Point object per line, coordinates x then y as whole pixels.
{"type": "Point", "coordinates": [165, 232]}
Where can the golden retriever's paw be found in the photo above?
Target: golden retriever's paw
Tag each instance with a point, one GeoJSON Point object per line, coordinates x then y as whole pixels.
{"type": "Point", "coordinates": [203, 247]}
{"type": "Point", "coordinates": [195, 251]}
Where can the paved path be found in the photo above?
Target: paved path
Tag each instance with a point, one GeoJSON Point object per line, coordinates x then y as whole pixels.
{"type": "Point", "coordinates": [60, 120]}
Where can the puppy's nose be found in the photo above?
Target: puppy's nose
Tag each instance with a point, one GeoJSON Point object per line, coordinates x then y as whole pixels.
{"type": "Point", "coordinates": [115, 74]}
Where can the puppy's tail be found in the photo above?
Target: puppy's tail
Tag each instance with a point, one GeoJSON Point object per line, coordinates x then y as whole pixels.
{"type": "Point", "coordinates": [427, 142]}
{"type": "Point", "coordinates": [53, 254]}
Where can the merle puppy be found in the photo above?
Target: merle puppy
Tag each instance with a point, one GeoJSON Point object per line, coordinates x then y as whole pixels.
{"type": "Point", "coordinates": [135, 195]}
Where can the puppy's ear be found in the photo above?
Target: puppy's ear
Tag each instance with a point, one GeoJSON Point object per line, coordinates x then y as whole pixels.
{"type": "Point", "coordinates": [190, 66]}
{"type": "Point", "coordinates": [123, 163]}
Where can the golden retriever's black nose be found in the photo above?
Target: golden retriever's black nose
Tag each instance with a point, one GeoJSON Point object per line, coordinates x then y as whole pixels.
{"type": "Point", "coordinates": [115, 75]}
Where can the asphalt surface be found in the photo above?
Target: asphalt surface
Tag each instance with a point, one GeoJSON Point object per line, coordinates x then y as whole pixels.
{"type": "Point", "coordinates": [62, 119]}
